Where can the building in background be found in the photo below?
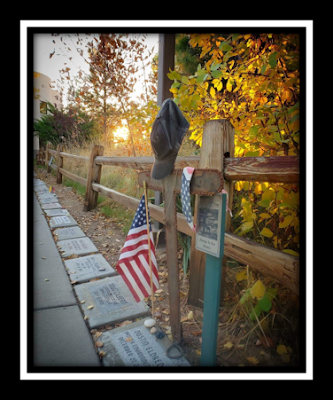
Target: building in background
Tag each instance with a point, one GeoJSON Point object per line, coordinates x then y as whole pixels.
{"type": "Point", "coordinates": [43, 93]}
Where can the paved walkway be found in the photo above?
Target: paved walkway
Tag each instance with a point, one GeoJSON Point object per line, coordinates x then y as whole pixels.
{"type": "Point", "coordinates": [61, 336]}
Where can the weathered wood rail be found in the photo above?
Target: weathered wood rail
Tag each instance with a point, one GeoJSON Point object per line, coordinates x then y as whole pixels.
{"type": "Point", "coordinates": [274, 263]}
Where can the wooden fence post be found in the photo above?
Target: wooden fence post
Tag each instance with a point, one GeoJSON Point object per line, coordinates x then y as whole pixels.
{"type": "Point", "coordinates": [217, 143]}
{"type": "Point", "coordinates": [48, 156]}
{"type": "Point", "coordinates": [169, 184]}
{"type": "Point", "coordinates": [94, 176]}
{"type": "Point", "coordinates": [60, 161]}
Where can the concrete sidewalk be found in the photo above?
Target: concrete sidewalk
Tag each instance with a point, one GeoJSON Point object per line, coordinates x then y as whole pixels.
{"type": "Point", "coordinates": [61, 337]}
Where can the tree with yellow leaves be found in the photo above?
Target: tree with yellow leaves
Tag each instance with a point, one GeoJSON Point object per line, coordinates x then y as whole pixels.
{"type": "Point", "coordinates": [253, 80]}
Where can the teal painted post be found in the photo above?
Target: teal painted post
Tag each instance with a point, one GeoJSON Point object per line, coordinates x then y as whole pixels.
{"type": "Point", "coordinates": [212, 291]}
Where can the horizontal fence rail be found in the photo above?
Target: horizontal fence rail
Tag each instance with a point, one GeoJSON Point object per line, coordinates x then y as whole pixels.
{"type": "Point", "coordinates": [285, 169]}
{"type": "Point", "coordinates": [273, 169]}
{"type": "Point", "coordinates": [265, 169]}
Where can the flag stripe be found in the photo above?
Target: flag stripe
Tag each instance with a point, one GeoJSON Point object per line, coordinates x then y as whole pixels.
{"type": "Point", "coordinates": [130, 282]}
{"type": "Point", "coordinates": [139, 283]}
{"type": "Point", "coordinates": [145, 266]}
{"type": "Point", "coordinates": [136, 251]}
{"type": "Point", "coordinates": [133, 270]}
{"type": "Point", "coordinates": [144, 253]}
{"type": "Point", "coordinates": [133, 263]}
{"type": "Point", "coordinates": [141, 278]}
{"type": "Point", "coordinates": [145, 263]}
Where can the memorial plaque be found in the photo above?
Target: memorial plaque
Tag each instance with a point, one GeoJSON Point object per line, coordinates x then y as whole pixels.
{"type": "Point", "coordinates": [68, 233]}
{"type": "Point", "coordinates": [83, 269]}
{"type": "Point", "coordinates": [48, 206]}
{"type": "Point", "coordinates": [207, 238]}
{"type": "Point", "coordinates": [38, 182]}
{"type": "Point", "coordinates": [134, 346]}
{"type": "Point", "coordinates": [48, 198]}
{"type": "Point", "coordinates": [111, 300]}
{"type": "Point", "coordinates": [54, 212]}
{"type": "Point", "coordinates": [62, 221]}
{"type": "Point", "coordinates": [44, 195]}
{"type": "Point", "coordinates": [41, 189]}
{"type": "Point", "coordinates": [80, 246]}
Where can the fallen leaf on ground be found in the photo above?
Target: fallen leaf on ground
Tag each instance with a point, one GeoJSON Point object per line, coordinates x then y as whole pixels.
{"type": "Point", "coordinates": [241, 275]}
{"type": "Point", "coordinates": [282, 349]}
{"type": "Point", "coordinates": [267, 341]}
{"type": "Point", "coordinates": [125, 323]}
{"type": "Point", "coordinates": [258, 290]}
{"type": "Point", "coordinates": [228, 345]}
{"type": "Point", "coordinates": [99, 344]}
{"type": "Point", "coordinates": [252, 360]}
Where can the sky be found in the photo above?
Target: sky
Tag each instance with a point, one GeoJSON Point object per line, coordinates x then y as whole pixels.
{"type": "Point", "coordinates": [44, 46]}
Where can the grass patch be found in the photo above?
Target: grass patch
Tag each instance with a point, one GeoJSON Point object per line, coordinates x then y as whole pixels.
{"type": "Point", "coordinates": [117, 213]}
{"type": "Point", "coordinates": [78, 187]}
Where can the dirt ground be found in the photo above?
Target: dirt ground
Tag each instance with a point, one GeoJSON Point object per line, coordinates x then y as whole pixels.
{"type": "Point", "coordinates": [241, 342]}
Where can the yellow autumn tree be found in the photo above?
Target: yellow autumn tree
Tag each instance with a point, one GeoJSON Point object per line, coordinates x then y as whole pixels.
{"type": "Point", "coordinates": [253, 80]}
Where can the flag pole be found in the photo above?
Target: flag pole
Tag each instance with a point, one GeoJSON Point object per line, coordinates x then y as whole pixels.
{"type": "Point", "coordinates": [148, 233]}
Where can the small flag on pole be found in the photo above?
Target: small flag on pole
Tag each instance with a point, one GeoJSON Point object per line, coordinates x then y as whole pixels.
{"type": "Point", "coordinates": [133, 263]}
{"type": "Point", "coordinates": [186, 196]}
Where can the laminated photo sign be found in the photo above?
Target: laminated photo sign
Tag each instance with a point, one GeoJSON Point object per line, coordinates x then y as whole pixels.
{"type": "Point", "coordinates": [209, 225]}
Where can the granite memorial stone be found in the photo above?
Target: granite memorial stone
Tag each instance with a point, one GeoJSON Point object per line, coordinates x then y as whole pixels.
{"type": "Point", "coordinates": [48, 206]}
{"type": "Point", "coordinates": [109, 301]}
{"type": "Point", "coordinates": [48, 198]}
{"type": "Point", "coordinates": [68, 233]}
{"type": "Point", "coordinates": [62, 221]}
{"type": "Point", "coordinates": [80, 246]}
{"type": "Point", "coordinates": [54, 212]}
{"type": "Point", "coordinates": [83, 269]}
{"type": "Point", "coordinates": [134, 346]}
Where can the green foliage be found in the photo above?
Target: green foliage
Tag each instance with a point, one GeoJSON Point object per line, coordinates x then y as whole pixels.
{"type": "Point", "coordinates": [58, 126]}
{"type": "Point", "coordinates": [256, 299]}
{"type": "Point", "coordinates": [253, 80]}
{"type": "Point", "coordinates": [268, 213]}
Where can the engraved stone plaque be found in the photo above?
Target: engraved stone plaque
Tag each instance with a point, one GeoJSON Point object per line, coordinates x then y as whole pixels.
{"type": "Point", "coordinates": [68, 233]}
{"type": "Point", "coordinates": [83, 269]}
{"type": "Point", "coordinates": [62, 221]}
{"type": "Point", "coordinates": [111, 300]}
{"type": "Point", "coordinates": [80, 246]}
{"type": "Point", "coordinates": [134, 346]}
{"type": "Point", "coordinates": [48, 206]}
{"type": "Point", "coordinates": [54, 212]}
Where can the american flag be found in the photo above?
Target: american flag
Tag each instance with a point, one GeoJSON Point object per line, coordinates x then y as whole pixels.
{"type": "Point", "coordinates": [186, 196]}
{"type": "Point", "coordinates": [133, 263]}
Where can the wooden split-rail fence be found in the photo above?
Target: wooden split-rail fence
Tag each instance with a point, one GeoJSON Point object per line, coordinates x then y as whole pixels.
{"type": "Point", "coordinates": [217, 153]}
